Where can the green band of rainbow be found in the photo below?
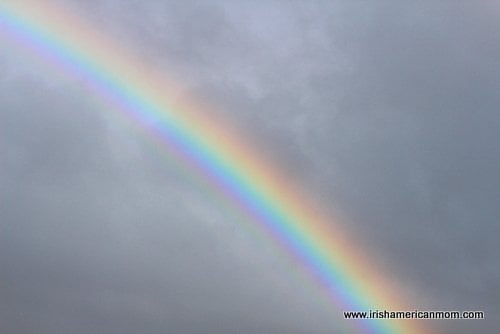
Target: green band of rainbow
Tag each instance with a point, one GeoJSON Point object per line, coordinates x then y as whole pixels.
{"type": "Point", "coordinates": [209, 148]}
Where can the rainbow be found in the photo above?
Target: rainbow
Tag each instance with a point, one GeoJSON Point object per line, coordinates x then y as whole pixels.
{"type": "Point", "coordinates": [212, 149]}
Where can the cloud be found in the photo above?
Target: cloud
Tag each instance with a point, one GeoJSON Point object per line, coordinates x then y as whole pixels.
{"type": "Point", "coordinates": [387, 111]}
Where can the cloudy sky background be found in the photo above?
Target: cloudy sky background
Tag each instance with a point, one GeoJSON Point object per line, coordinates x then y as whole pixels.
{"type": "Point", "coordinates": [388, 111]}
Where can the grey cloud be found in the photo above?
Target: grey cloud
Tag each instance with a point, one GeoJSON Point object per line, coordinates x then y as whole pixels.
{"type": "Point", "coordinates": [388, 111]}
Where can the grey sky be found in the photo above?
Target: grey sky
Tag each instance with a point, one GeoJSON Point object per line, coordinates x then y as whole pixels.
{"type": "Point", "coordinates": [387, 110]}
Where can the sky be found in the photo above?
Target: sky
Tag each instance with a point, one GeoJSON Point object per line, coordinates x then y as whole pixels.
{"type": "Point", "coordinates": [386, 111]}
